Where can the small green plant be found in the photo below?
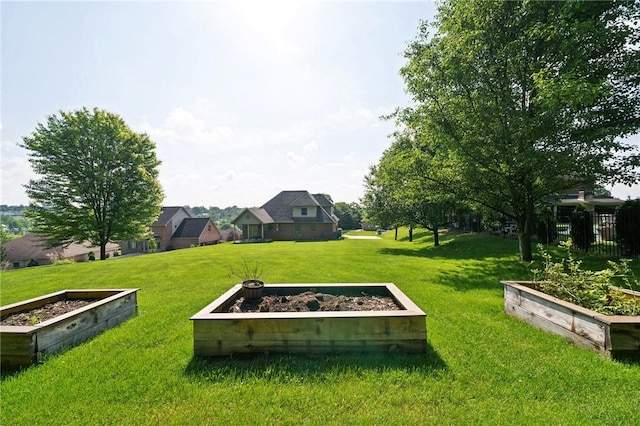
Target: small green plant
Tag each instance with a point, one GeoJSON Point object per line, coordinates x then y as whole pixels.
{"type": "Point", "coordinates": [247, 271]}
{"type": "Point", "coordinates": [34, 319]}
{"type": "Point", "coordinates": [593, 290]}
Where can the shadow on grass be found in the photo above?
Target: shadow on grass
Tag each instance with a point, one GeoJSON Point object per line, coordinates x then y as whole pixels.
{"type": "Point", "coordinates": [312, 368]}
{"type": "Point", "coordinates": [460, 247]}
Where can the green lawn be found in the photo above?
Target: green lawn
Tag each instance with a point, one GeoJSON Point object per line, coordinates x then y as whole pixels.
{"type": "Point", "coordinates": [482, 367]}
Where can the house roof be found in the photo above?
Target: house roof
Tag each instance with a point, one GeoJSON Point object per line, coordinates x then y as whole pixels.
{"type": "Point", "coordinates": [192, 227]}
{"type": "Point", "coordinates": [168, 213]}
{"type": "Point", "coordinates": [259, 214]}
{"type": "Point", "coordinates": [280, 207]}
{"type": "Point", "coordinates": [30, 246]}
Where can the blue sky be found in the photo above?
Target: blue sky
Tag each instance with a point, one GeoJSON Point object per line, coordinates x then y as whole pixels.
{"type": "Point", "coordinates": [243, 99]}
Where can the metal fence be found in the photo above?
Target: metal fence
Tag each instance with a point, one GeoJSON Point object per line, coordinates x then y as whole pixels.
{"type": "Point", "coordinates": [601, 236]}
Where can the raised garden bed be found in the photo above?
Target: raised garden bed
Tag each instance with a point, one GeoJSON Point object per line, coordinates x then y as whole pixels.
{"type": "Point", "coordinates": [613, 336]}
{"type": "Point", "coordinates": [217, 332]}
{"type": "Point", "coordinates": [25, 344]}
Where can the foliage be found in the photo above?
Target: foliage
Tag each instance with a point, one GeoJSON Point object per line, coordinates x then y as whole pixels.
{"type": "Point", "coordinates": [546, 226]}
{"type": "Point", "coordinates": [56, 259]}
{"type": "Point", "coordinates": [98, 180]}
{"type": "Point", "coordinates": [628, 227]}
{"type": "Point", "coordinates": [350, 215]}
{"type": "Point", "coordinates": [592, 290]}
{"type": "Point", "coordinates": [15, 224]}
{"type": "Point", "coordinates": [517, 101]}
{"type": "Point", "coordinates": [247, 271]}
{"type": "Point", "coordinates": [222, 217]}
{"type": "Point", "coordinates": [397, 191]}
{"type": "Point", "coordinates": [582, 232]}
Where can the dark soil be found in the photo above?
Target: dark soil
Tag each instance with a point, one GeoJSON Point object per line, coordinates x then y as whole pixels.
{"type": "Point", "coordinates": [46, 312]}
{"type": "Point", "coordinates": [310, 301]}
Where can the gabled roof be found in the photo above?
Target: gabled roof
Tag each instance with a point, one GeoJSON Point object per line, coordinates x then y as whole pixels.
{"type": "Point", "coordinates": [280, 207]}
{"type": "Point", "coordinates": [191, 227]}
{"type": "Point", "coordinates": [260, 214]}
{"type": "Point", "coordinates": [30, 246]}
{"type": "Point", "coordinates": [168, 213]}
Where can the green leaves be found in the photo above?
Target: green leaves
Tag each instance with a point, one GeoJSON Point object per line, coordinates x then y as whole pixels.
{"type": "Point", "coordinates": [518, 101]}
{"type": "Point", "coordinates": [98, 179]}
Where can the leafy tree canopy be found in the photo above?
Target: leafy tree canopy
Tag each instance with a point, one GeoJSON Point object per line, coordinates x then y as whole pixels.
{"type": "Point", "coordinates": [98, 180]}
{"type": "Point", "coordinates": [516, 101]}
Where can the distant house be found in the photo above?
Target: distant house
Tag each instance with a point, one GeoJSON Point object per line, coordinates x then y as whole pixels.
{"type": "Point", "coordinates": [29, 251]}
{"type": "Point", "coordinates": [176, 228]}
{"type": "Point", "coordinates": [290, 215]}
{"type": "Point", "coordinates": [231, 234]}
{"type": "Point", "coordinates": [600, 204]}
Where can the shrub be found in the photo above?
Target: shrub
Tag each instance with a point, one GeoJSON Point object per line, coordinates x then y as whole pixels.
{"type": "Point", "coordinates": [582, 228]}
{"type": "Point", "coordinates": [592, 290]}
{"type": "Point", "coordinates": [546, 227]}
{"type": "Point", "coordinates": [628, 228]}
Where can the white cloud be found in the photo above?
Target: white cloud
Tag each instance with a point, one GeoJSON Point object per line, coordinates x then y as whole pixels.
{"type": "Point", "coordinates": [16, 171]}
{"type": "Point", "coordinates": [295, 161]}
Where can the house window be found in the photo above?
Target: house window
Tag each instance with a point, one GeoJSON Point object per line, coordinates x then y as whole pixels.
{"type": "Point", "coordinates": [16, 265]}
{"type": "Point", "coordinates": [277, 227]}
{"type": "Point", "coordinates": [303, 211]}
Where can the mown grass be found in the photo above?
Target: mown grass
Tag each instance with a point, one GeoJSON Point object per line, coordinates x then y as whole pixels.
{"type": "Point", "coordinates": [482, 366]}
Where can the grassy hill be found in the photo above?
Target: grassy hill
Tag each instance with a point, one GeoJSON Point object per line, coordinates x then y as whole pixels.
{"type": "Point", "coordinates": [482, 367]}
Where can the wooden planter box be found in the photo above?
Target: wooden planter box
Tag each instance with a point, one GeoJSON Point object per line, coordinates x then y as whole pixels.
{"type": "Point", "coordinates": [218, 333]}
{"type": "Point", "coordinates": [613, 336]}
{"type": "Point", "coordinates": [24, 345]}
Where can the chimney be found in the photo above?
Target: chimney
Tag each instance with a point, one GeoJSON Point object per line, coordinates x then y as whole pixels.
{"type": "Point", "coordinates": [580, 195]}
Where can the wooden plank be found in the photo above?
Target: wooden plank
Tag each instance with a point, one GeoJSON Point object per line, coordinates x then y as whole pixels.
{"type": "Point", "coordinates": [30, 304]}
{"type": "Point", "coordinates": [85, 334]}
{"type": "Point", "coordinates": [310, 328]}
{"type": "Point", "coordinates": [569, 319]}
{"type": "Point", "coordinates": [551, 327]}
{"type": "Point", "coordinates": [61, 332]}
{"type": "Point", "coordinates": [625, 337]}
{"type": "Point", "coordinates": [18, 343]}
{"type": "Point", "coordinates": [224, 348]}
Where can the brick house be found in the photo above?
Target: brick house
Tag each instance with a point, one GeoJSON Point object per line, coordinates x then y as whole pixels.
{"type": "Point", "coordinates": [290, 215]}
{"type": "Point", "coordinates": [176, 228]}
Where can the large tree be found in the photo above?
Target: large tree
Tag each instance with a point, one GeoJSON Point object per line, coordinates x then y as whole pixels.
{"type": "Point", "coordinates": [98, 180]}
{"type": "Point", "coordinates": [517, 101]}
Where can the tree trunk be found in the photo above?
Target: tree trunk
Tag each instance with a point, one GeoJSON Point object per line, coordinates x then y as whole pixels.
{"type": "Point", "coordinates": [396, 236]}
{"type": "Point", "coordinates": [411, 234]}
{"type": "Point", "coordinates": [525, 228]}
{"type": "Point", "coordinates": [103, 251]}
{"type": "Point", "coordinates": [436, 237]}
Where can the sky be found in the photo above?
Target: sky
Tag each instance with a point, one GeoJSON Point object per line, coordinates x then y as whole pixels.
{"type": "Point", "coordinates": [243, 99]}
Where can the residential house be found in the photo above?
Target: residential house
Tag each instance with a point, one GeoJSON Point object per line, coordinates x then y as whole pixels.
{"type": "Point", "coordinates": [231, 234]}
{"type": "Point", "coordinates": [175, 228]}
{"type": "Point", "coordinates": [290, 215]}
{"type": "Point", "coordinates": [29, 250]}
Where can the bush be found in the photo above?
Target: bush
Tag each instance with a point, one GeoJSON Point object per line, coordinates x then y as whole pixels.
{"type": "Point", "coordinates": [546, 227]}
{"type": "Point", "coordinates": [582, 228]}
{"type": "Point", "coordinates": [592, 290]}
{"type": "Point", "coordinates": [628, 228]}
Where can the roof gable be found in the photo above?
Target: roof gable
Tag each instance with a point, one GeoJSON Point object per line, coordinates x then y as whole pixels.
{"type": "Point", "coordinates": [168, 213]}
{"type": "Point", "coordinates": [280, 207]}
{"type": "Point", "coordinates": [191, 227]}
